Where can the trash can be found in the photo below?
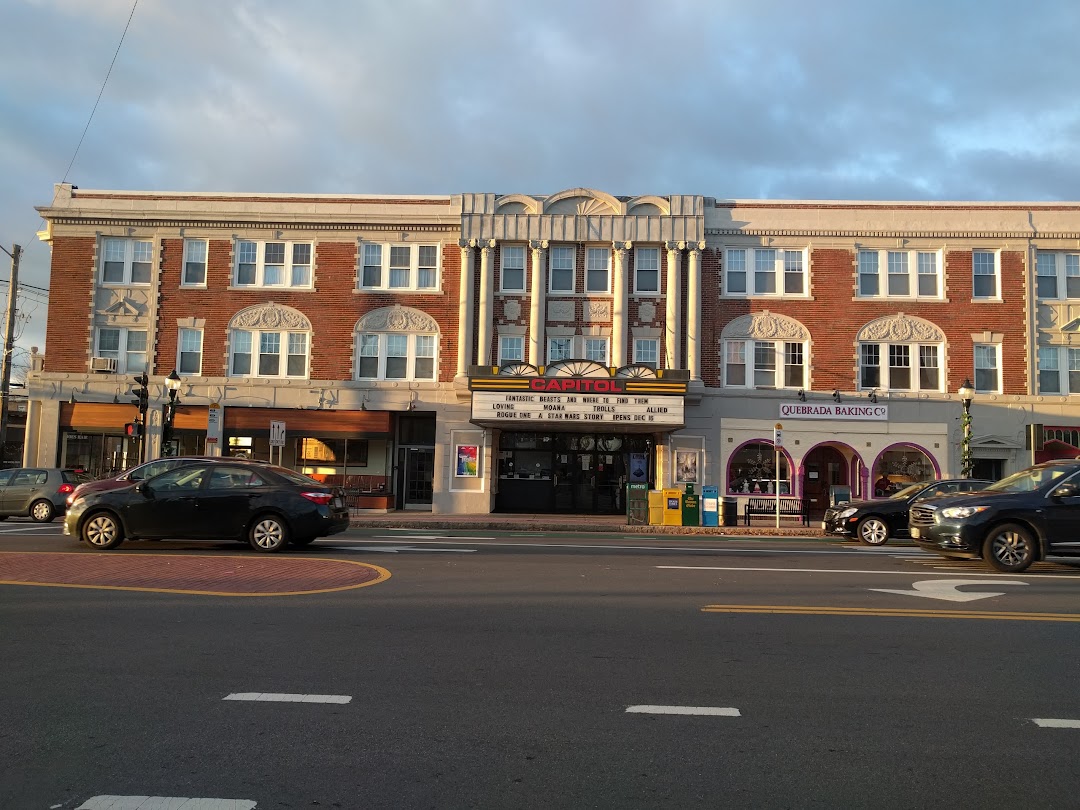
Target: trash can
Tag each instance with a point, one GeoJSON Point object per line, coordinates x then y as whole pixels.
{"type": "Point", "coordinates": [656, 507]}
{"type": "Point", "coordinates": [637, 504]}
{"type": "Point", "coordinates": [729, 512]}
{"type": "Point", "coordinates": [673, 507]}
{"type": "Point", "coordinates": [691, 508]}
{"type": "Point", "coordinates": [710, 506]}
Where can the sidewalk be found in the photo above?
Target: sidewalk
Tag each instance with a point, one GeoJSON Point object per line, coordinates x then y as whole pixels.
{"type": "Point", "coordinates": [567, 523]}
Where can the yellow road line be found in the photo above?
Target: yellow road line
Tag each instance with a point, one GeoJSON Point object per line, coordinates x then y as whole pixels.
{"type": "Point", "coordinates": [809, 610]}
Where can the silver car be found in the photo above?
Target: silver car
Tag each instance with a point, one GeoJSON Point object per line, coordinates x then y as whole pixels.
{"type": "Point", "coordinates": [38, 492]}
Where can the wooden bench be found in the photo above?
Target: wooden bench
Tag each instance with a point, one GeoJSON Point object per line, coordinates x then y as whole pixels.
{"type": "Point", "coordinates": [766, 507]}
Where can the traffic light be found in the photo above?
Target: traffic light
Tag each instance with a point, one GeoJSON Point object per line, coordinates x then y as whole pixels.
{"type": "Point", "coordinates": [142, 395]}
{"type": "Point", "coordinates": [133, 430]}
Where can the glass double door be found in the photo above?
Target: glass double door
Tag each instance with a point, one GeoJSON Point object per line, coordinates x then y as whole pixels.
{"type": "Point", "coordinates": [589, 481]}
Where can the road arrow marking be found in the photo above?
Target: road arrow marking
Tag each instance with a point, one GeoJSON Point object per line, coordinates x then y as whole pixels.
{"type": "Point", "coordinates": [396, 549]}
{"type": "Point", "coordinates": [945, 589]}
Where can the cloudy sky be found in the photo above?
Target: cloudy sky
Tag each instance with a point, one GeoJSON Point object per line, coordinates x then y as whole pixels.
{"type": "Point", "coordinates": [839, 99]}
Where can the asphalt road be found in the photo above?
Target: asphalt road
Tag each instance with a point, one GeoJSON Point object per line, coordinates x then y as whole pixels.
{"type": "Point", "coordinates": [500, 670]}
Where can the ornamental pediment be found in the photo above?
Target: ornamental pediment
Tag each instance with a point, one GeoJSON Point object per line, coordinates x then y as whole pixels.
{"type": "Point", "coordinates": [901, 328]}
{"type": "Point", "coordinates": [765, 326]}
{"type": "Point", "coordinates": [397, 319]}
{"type": "Point", "coordinates": [270, 316]}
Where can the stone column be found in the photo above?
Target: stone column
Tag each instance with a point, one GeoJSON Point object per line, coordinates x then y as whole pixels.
{"type": "Point", "coordinates": [693, 311]}
{"type": "Point", "coordinates": [465, 308]}
{"type": "Point", "coordinates": [672, 332]}
{"type": "Point", "coordinates": [618, 305]}
{"type": "Point", "coordinates": [487, 299]}
{"type": "Point", "coordinates": [536, 306]}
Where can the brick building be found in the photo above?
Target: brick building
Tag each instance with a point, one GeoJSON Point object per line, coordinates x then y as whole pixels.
{"type": "Point", "coordinates": [591, 340]}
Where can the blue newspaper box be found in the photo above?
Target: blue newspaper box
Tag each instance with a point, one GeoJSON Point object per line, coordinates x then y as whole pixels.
{"type": "Point", "coordinates": [710, 506]}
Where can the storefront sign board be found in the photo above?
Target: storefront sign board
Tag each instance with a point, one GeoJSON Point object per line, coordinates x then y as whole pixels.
{"type": "Point", "coordinates": [834, 410]}
{"type": "Point", "coordinates": [555, 408]}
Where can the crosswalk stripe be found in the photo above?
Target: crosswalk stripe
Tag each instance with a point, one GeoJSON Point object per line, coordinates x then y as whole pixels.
{"type": "Point", "coordinates": [276, 697]}
{"type": "Point", "coordinates": [164, 803]}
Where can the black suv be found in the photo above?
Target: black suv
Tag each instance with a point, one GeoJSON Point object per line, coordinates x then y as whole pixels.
{"type": "Point", "coordinates": [874, 522]}
{"type": "Point", "coordinates": [1010, 524]}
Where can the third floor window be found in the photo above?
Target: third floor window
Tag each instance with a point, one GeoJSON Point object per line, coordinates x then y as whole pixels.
{"type": "Point", "coordinates": [272, 264]}
{"type": "Point", "coordinates": [765, 271]}
{"type": "Point", "coordinates": [126, 261]}
{"type": "Point", "coordinates": [399, 267]}
{"type": "Point", "coordinates": [899, 274]}
{"type": "Point", "coordinates": [1057, 274]}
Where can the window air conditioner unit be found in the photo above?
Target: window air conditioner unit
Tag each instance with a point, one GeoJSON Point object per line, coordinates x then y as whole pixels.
{"type": "Point", "coordinates": [107, 364]}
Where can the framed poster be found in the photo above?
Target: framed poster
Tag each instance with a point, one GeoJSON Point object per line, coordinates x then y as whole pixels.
{"type": "Point", "coordinates": [686, 466]}
{"type": "Point", "coordinates": [467, 456]}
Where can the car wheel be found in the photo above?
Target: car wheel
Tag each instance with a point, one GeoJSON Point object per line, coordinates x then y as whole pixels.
{"type": "Point", "coordinates": [1009, 548]}
{"type": "Point", "coordinates": [873, 531]}
{"type": "Point", "coordinates": [268, 533]}
{"type": "Point", "coordinates": [102, 530]}
{"type": "Point", "coordinates": [42, 511]}
{"type": "Point", "coordinates": [303, 541]}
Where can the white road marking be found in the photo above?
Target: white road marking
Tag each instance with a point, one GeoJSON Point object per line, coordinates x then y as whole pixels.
{"type": "Point", "coordinates": [1049, 722]}
{"type": "Point", "coordinates": [396, 549]}
{"type": "Point", "coordinates": [945, 589]}
{"type": "Point", "coordinates": [431, 538]}
{"type": "Point", "coordinates": [449, 541]}
{"type": "Point", "coordinates": [844, 571]}
{"type": "Point", "coordinates": [163, 803]}
{"type": "Point", "coordinates": [34, 526]}
{"type": "Point", "coordinates": [286, 698]}
{"type": "Point", "coordinates": [701, 710]}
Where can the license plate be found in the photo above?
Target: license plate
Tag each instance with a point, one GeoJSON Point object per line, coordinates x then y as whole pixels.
{"type": "Point", "coordinates": [337, 503]}
{"type": "Point", "coordinates": [824, 526]}
{"type": "Point", "coordinates": [914, 532]}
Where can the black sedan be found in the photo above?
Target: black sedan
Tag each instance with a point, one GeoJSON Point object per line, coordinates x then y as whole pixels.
{"type": "Point", "coordinates": [267, 506]}
{"type": "Point", "coordinates": [874, 522]}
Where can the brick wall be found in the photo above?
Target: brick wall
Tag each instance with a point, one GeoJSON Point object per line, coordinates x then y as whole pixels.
{"type": "Point", "coordinates": [68, 334]}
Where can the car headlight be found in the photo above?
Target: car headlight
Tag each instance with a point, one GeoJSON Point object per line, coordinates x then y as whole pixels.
{"type": "Point", "coordinates": [847, 513]}
{"type": "Point", "coordinates": [961, 511]}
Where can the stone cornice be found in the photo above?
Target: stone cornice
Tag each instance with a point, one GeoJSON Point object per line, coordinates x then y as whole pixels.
{"type": "Point", "coordinates": [851, 234]}
{"type": "Point", "coordinates": [278, 223]}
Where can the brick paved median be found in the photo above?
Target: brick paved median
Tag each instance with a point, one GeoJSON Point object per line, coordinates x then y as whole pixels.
{"type": "Point", "coordinates": [246, 575]}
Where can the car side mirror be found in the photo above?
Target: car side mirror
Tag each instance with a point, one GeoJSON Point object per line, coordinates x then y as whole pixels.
{"type": "Point", "coordinates": [1066, 491]}
{"type": "Point", "coordinates": [143, 488]}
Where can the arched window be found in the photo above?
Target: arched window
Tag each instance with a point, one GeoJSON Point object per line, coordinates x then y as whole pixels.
{"type": "Point", "coordinates": [765, 350]}
{"type": "Point", "coordinates": [752, 470]}
{"type": "Point", "coordinates": [901, 353]}
{"type": "Point", "coordinates": [269, 340]}
{"type": "Point", "coordinates": [899, 467]}
{"type": "Point", "coordinates": [397, 343]}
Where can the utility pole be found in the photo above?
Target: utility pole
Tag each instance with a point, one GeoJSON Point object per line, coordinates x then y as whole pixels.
{"type": "Point", "coordinates": [9, 347]}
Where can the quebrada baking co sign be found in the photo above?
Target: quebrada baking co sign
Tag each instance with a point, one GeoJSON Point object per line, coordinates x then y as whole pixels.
{"type": "Point", "coordinates": [834, 410]}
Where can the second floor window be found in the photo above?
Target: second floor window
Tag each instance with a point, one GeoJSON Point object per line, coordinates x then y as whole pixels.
{"type": "Point", "coordinates": [1057, 275]}
{"type": "Point", "coordinates": [596, 349]}
{"type": "Point", "coordinates": [272, 264]}
{"type": "Point", "coordinates": [1059, 370]}
{"type": "Point", "coordinates": [513, 268]}
{"type": "Point", "coordinates": [907, 273]}
{"type": "Point", "coordinates": [194, 273]}
{"type": "Point", "coordinates": [647, 270]}
{"type": "Point", "coordinates": [395, 356]}
{"type": "Point", "coordinates": [399, 267]}
{"type": "Point", "coordinates": [984, 274]}
{"type": "Point", "coordinates": [900, 366]}
{"type": "Point", "coordinates": [560, 349]}
{"type": "Point", "coordinates": [987, 376]}
{"type": "Point", "coordinates": [126, 261]}
{"type": "Point", "coordinates": [269, 354]}
{"type": "Point", "coordinates": [189, 360]}
{"type": "Point", "coordinates": [776, 364]}
{"type": "Point", "coordinates": [647, 352]}
{"type": "Point", "coordinates": [126, 346]}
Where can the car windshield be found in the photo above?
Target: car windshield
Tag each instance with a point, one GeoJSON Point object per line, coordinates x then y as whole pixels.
{"type": "Point", "coordinates": [906, 492]}
{"type": "Point", "coordinates": [1029, 480]}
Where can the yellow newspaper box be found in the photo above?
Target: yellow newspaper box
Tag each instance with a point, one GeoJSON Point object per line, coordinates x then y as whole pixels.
{"type": "Point", "coordinates": [673, 507]}
{"type": "Point", "coordinates": [656, 507]}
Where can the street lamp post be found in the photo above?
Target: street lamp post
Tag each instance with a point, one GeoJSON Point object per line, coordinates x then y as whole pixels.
{"type": "Point", "coordinates": [168, 412]}
{"type": "Point", "coordinates": [967, 394]}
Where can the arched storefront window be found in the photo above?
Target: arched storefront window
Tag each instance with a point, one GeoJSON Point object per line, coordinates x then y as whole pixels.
{"type": "Point", "coordinates": [899, 467]}
{"type": "Point", "coordinates": [752, 470]}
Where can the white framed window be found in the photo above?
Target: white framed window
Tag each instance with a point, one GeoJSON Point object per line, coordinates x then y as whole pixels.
{"type": "Point", "coordinates": [260, 353]}
{"type": "Point", "coordinates": [272, 264]}
{"type": "Point", "coordinates": [647, 352]}
{"type": "Point", "coordinates": [189, 352]}
{"type": "Point", "coordinates": [1059, 370]}
{"type": "Point", "coordinates": [775, 272]}
{"type": "Point", "coordinates": [987, 368]}
{"type": "Point", "coordinates": [899, 274]}
{"type": "Point", "coordinates": [560, 348]}
{"type": "Point", "coordinates": [511, 349]}
{"type": "Point", "coordinates": [399, 267]}
{"type": "Point", "coordinates": [126, 261]}
{"type": "Point", "coordinates": [776, 364]}
{"type": "Point", "coordinates": [596, 349]}
{"type": "Point", "coordinates": [512, 272]}
{"type": "Point", "coordinates": [597, 270]}
{"type": "Point", "coordinates": [561, 269]}
{"type": "Point", "coordinates": [194, 272]}
{"type": "Point", "coordinates": [900, 366]}
{"type": "Point", "coordinates": [647, 270]}
{"type": "Point", "coordinates": [985, 275]}
{"type": "Point", "coordinates": [1057, 274]}
{"type": "Point", "coordinates": [395, 356]}
{"type": "Point", "coordinates": [126, 346]}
